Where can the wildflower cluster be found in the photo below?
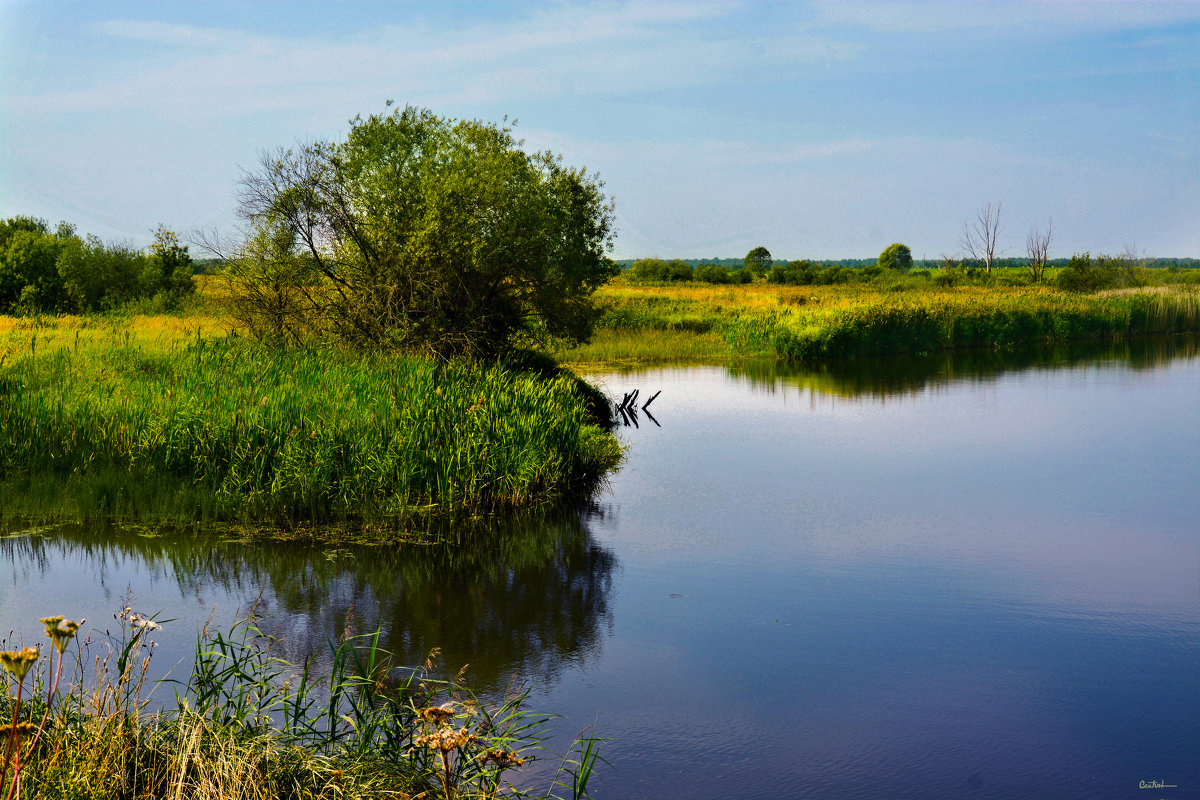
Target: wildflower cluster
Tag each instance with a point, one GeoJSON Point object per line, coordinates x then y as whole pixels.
{"type": "Point", "coordinates": [445, 739]}
{"type": "Point", "coordinates": [137, 620]}
{"type": "Point", "coordinates": [501, 758]}
{"type": "Point", "coordinates": [60, 631]}
{"type": "Point", "coordinates": [471, 744]}
{"type": "Point", "coordinates": [437, 714]}
{"type": "Point", "coordinates": [18, 662]}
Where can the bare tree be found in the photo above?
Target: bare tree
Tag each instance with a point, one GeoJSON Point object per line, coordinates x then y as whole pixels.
{"type": "Point", "coordinates": [1130, 261]}
{"type": "Point", "coordinates": [1037, 247]}
{"type": "Point", "coordinates": [979, 238]}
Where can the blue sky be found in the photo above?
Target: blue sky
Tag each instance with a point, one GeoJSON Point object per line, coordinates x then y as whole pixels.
{"type": "Point", "coordinates": [819, 130]}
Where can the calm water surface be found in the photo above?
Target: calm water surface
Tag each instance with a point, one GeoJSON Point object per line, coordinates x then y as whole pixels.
{"type": "Point", "coordinates": [947, 578]}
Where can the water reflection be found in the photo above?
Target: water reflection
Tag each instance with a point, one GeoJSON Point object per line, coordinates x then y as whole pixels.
{"type": "Point", "coordinates": [526, 599]}
{"type": "Point", "coordinates": [905, 375]}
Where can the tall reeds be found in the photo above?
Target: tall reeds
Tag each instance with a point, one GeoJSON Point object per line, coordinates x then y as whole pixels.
{"type": "Point", "coordinates": [225, 430]}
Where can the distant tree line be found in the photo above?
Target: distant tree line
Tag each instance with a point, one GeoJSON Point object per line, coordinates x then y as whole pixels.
{"type": "Point", "coordinates": [1080, 272]}
{"type": "Point", "coordinates": [917, 264]}
{"type": "Point", "coordinates": [57, 271]}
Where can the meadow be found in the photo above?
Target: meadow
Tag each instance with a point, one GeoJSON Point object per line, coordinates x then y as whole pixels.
{"type": "Point", "coordinates": [815, 324]}
{"type": "Point", "coordinates": [177, 418]}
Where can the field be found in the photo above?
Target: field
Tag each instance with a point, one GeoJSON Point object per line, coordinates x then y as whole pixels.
{"type": "Point", "coordinates": [692, 322]}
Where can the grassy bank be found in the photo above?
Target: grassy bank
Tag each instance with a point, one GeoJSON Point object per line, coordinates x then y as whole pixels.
{"type": "Point", "coordinates": [116, 417]}
{"type": "Point", "coordinates": [645, 324]}
{"type": "Point", "coordinates": [246, 724]}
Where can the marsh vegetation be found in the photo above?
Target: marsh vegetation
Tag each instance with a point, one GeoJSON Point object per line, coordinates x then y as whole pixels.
{"type": "Point", "coordinates": [903, 314]}
{"type": "Point", "coordinates": [100, 422]}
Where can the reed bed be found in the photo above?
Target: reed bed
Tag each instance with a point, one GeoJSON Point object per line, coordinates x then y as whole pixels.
{"type": "Point", "coordinates": [816, 323]}
{"type": "Point", "coordinates": [225, 430]}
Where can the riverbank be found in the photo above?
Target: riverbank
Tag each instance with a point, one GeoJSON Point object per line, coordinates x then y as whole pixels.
{"type": "Point", "coordinates": [175, 418]}
{"type": "Point", "coordinates": [248, 724]}
{"type": "Point", "coordinates": [150, 418]}
{"type": "Point", "coordinates": [654, 324]}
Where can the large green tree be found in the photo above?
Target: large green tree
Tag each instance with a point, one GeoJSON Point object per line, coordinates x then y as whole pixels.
{"type": "Point", "coordinates": [422, 233]}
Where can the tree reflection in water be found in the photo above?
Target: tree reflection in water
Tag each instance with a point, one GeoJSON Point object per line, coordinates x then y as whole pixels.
{"type": "Point", "coordinates": [524, 598]}
{"type": "Point", "coordinates": [881, 378]}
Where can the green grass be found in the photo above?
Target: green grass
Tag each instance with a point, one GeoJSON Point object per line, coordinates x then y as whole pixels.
{"type": "Point", "coordinates": [822, 323]}
{"type": "Point", "coordinates": [113, 424]}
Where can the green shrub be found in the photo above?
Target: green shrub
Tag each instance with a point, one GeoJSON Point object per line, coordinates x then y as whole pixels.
{"type": "Point", "coordinates": [424, 234]}
{"type": "Point", "coordinates": [710, 273]}
{"type": "Point", "coordinates": [1082, 274]}
{"type": "Point", "coordinates": [654, 270]}
{"type": "Point", "coordinates": [44, 271]}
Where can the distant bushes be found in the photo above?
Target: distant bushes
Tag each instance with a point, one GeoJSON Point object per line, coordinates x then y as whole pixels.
{"type": "Point", "coordinates": [806, 273]}
{"type": "Point", "coordinates": [897, 257]}
{"type": "Point", "coordinates": [711, 273]}
{"type": "Point", "coordinates": [654, 270]}
{"type": "Point", "coordinates": [1085, 274]}
{"type": "Point", "coordinates": [57, 271]}
{"type": "Point", "coordinates": [897, 270]}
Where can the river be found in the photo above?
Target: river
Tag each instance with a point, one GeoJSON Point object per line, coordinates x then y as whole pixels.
{"type": "Point", "coordinates": [969, 576]}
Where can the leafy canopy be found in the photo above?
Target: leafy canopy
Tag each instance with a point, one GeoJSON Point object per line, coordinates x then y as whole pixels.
{"type": "Point", "coordinates": [896, 256]}
{"type": "Point", "coordinates": [57, 271]}
{"type": "Point", "coordinates": [422, 233]}
{"type": "Point", "coordinates": [758, 260]}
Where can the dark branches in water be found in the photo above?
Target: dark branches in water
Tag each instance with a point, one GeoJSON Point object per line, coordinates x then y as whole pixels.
{"type": "Point", "coordinates": [628, 408]}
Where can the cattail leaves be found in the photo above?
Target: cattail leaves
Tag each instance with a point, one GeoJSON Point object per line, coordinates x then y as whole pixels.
{"type": "Point", "coordinates": [280, 437]}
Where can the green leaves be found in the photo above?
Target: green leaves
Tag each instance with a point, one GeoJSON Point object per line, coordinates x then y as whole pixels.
{"type": "Point", "coordinates": [758, 260]}
{"type": "Point", "coordinates": [426, 234]}
{"type": "Point", "coordinates": [896, 256]}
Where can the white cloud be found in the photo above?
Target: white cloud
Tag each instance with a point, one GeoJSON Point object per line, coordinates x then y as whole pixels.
{"type": "Point", "coordinates": [919, 16]}
{"type": "Point", "coordinates": [590, 50]}
{"type": "Point", "coordinates": [167, 34]}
